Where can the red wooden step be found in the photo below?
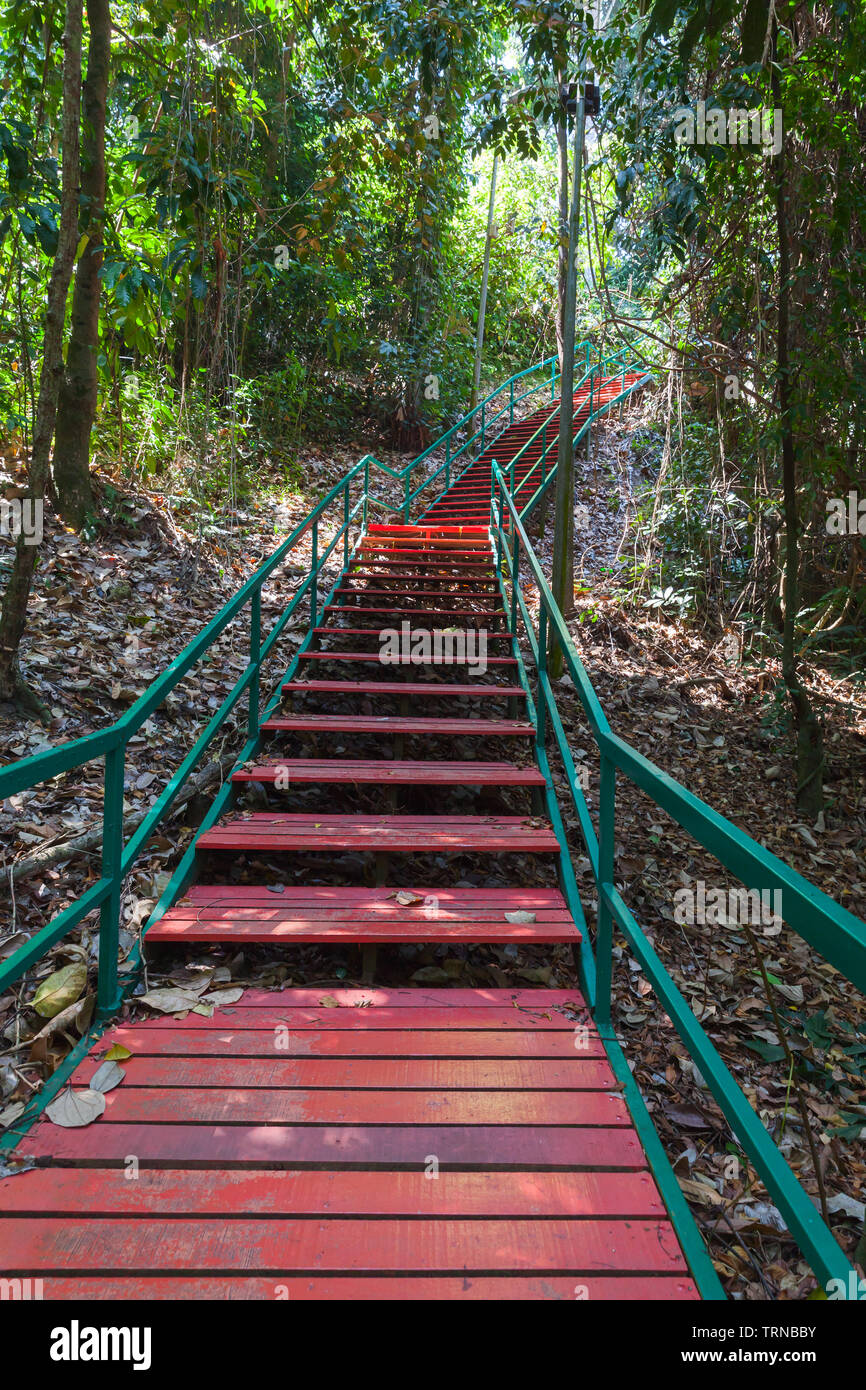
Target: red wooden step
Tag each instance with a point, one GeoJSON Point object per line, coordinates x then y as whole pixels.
{"type": "Point", "coordinates": [357, 611]}
{"type": "Point", "coordinates": [219, 1146]}
{"type": "Point", "coordinates": [361, 1074]}
{"type": "Point", "coordinates": [396, 724]}
{"type": "Point", "coordinates": [365, 915]}
{"type": "Point", "coordinates": [383, 772]}
{"type": "Point", "coordinates": [455, 1246]}
{"type": "Point", "coordinates": [371, 1288]}
{"type": "Point", "coordinates": [435, 689]}
{"type": "Point", "coordinates": [267, 830]}
{"type": "Point", "coordinates": [426, 565]}
{"type": "Point", "coordinates": [413, 593]}
{"type": "Point", "coordinates": [375, 656]}
{"type": "Point", "coordinates": [263, 1192]}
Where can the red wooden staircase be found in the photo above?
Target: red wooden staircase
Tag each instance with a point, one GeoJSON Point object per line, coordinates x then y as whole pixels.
{"type": "Point", "coordinates": [467, 501]}
{"type": "Point", "coordinates": [368, 1142]}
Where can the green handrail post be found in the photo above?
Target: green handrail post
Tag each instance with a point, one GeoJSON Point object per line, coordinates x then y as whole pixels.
{"type": "Point", "coordinates": [448, 463]}
{"type": "Point", "coordinates": [346, 513]}
{"type": "Point", "coordinates": [407, 492]}
{"type": "Point", "coordinates": [366, 487]}
{"type": "Point", "coordinates": [553, 379]}
{"type": "Point", "coordinates": [107, 986]}
{"type": "Point", "coordinates": [255, 662]}
{"type": "Point", "coordinates": [483, 425]}
{"type": "Point", "coordinates": [589, 418]}
{"type": "Point", "coordinates": [511, 403]}
{"type": "Point", "coordinates": [515, 584]}
{"type": "Point", "coordinates": [604, 931]}
{"type": "Point", "coordinates": [314, 578]}
{"type": "Point", "coordinates": [541, 667]}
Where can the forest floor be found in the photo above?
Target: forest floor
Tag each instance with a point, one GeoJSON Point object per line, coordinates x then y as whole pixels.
{"type": "Point", "coordinates": [110, 611]}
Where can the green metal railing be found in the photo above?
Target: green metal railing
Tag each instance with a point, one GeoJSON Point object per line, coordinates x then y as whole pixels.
{"type": "Point", "coordinates": [833, 932]}
{"type": "Point", "coordinates": [485, 433]}
{"type": "Point", "coordinates": [590, 382]}
{"type": "Point", "coordinates": [118, 858]}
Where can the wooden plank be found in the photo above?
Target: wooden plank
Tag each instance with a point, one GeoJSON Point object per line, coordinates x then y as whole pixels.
{"type": "Point", "coordinates": [574, 1073]}
{"type": "Point", "coordinates": [439, 689]}
{"type": "Point", "coordinates": [501, 1288]}
{"type": "Point", "coordinates": [375, 771]}
{"type": "Point", "coordinates": [396, 724]}
{"type": "Point", "coordinates": [235, 1018]}
{"type": "Point", "coordinates": [383, 898]}
{"type": "Point", "coordinates": [401, 834]}
{"type": "Point", "coordinates": [261, 1106]}
{"type": "Point", "coordinates": [488, 1147]}
{"type": "Point", "coordinates": [314, 1192]}
{"type": "Point", "coordinates": [174, 1040]}
{"type": "Point", "coordinates": [414, 997]}
{"type": "Point", "coordinates": [360, 1246]}
{"type": "Point", "coordinates": [374, 656]}
{"type": "Point", "coordinates": [371, 931]}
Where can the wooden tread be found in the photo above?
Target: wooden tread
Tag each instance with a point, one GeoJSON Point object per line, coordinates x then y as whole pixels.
{"type": "Point", "coordinates": [397, 724]}
{"type": "Point", "coordinates": [440, 689]}
{"type": "Point", "coordinates": [381, 916]}
{"type": "Point", "coordinates": [292, 830]}
{"type": "Point", "coordinates": [385, 772]}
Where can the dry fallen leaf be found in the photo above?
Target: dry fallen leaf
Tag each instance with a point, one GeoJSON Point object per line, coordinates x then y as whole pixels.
{"type": "Point", "coordinates": [60, 990]}
{"type": "Point", "coordinates": [106, 1077]}
{"type": "Point", "coordinates": [74, 1109]}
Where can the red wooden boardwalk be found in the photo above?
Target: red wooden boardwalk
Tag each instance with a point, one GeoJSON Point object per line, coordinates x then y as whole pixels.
{"type": "Point", "coordinates": [382, 1144]}
{"type": "Point", "coordinates": [362, 1143]}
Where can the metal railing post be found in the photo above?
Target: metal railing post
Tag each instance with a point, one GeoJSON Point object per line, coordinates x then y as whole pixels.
{"type": "Point", "coordinates": [255, 660]}
{"type": "Point", "coordinates": [483, 425]}
{"type": "Point", "coordinates": [346, 526]}
{"type": "Point", "coordinates": [366, 490]}
{"type": "Point", "coordinates": [553, 379]}
{"type": "Point", "coordinates": [407, 489]}
{"type": "Point", "coordinates": [107, 987]}
{"type": "Point", "coordinates": [515, 562]}
{"type": "Point", "coordinates": [541, 706]}
{"type": "Point", "coordinates": [447, 463]}
{"type": "Point", "coordinates": [511, 404]}
{"type": "Point", "coordinates": [604, 933]}
{"type": "Point", "coordinates": [314, 571]}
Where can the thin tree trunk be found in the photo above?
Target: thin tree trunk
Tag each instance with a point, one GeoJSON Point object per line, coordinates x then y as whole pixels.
{"type": "Point", "coordinates": [76, 409]}
{"type": "Point", "coordinates": [13, 616]}
{"type": "Point", "coordinates": [482, 306]}
{"type": "Point", "coordinates": [563, 539]}
{"type": "Point", "coordinates": [562, 246]}
{"type": "Point", "coordinates": [810, 738]}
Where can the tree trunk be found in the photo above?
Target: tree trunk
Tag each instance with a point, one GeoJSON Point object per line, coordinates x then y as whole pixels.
{"type": "Point", "coordinates": [14, 610]}
{"type": "Point", "coordinates": [562, 579]}
{"type": "Point", "coordinates": [78, 390]}
{"type": "Point", "coordinates": [482, 306]}
{"type": "Point", "coordinates": [562, 248]}
{"type": "Point", "coordinates": [810, 737]}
